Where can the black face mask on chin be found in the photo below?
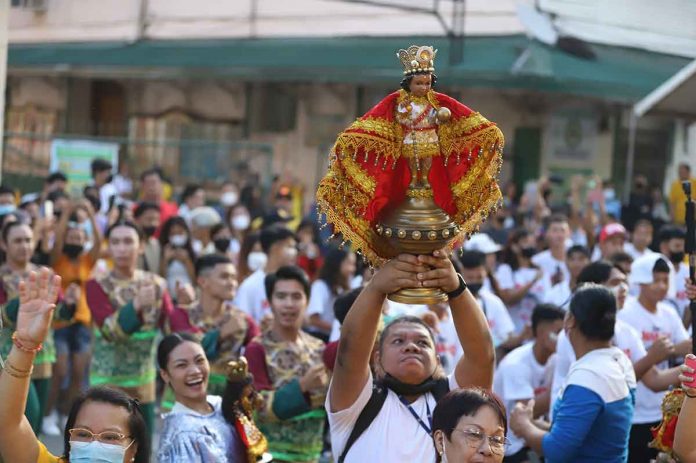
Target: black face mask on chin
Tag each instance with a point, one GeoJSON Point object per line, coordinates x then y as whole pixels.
{"type": "Point", "coordinates": [405, 389]}
{"type": "Point", "coordinates": [72, 250]}
{"type": "Point", "coordinates": [677, 257]}
{"type": "Point", "coordinates": [474, 288]}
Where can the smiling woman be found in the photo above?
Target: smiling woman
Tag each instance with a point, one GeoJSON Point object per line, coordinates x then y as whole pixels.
{"type": "Point", "coordinates": [195, 429]}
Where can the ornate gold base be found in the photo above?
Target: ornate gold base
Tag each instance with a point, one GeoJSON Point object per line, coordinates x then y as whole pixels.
{"type": "Point", "coordinates": [418, 296]}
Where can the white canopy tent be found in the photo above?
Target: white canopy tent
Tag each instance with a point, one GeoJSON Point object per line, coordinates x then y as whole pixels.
{"type": "Point", "coordinates": [676, 97]}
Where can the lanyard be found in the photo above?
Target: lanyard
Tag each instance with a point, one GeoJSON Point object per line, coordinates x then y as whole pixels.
{"type": "Point", "coordinates": [418, 418]}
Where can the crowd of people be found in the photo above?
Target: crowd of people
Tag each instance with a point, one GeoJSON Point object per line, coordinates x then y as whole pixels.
{"type": "Point", "coordinates": [567, 323]}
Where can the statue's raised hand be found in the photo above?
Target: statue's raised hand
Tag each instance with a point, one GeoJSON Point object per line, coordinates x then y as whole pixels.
{"type": "Point", "coordinates": [37, 300]}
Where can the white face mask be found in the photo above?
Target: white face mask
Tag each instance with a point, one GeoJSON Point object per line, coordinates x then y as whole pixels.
{"type": "Point", "coordinates": [241, 222]}
{"type": "Point", "coordinates": [96, 452]}
{"type": "Point", "coordinates": [256, 260]}
{"type": "Point", "coordinates": [178, 240]}
{"type": "Point", "coordinates": [229, 198]}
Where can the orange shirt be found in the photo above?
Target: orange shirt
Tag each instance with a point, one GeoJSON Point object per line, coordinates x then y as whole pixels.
{"type": "Point", "coordinates": [78, 271]}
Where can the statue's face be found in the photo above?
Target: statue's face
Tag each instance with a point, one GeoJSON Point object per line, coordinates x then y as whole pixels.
{"type": "Point", "coordinates": [420, 84]}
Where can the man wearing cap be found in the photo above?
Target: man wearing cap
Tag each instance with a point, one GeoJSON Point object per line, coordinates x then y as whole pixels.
{"type": "Point", "coordinates": [611, 240]}
{"type": "Point", "coordinates": [202, 220]}
{"type": "Point", "coordinates": [655, 321]}
{"type": "Point", "coordinates": [101, 177]}
{"type": "Point", "coordinates": [483, 243]}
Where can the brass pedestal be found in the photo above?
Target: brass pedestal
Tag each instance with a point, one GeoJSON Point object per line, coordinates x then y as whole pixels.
{"type": "Point", "coordinates": [418, 226]}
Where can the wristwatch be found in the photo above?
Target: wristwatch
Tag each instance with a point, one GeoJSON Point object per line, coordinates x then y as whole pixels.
{"type": "Point", "coordinates": [460, 289]}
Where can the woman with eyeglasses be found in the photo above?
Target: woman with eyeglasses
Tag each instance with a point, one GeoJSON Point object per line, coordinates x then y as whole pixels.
{"type": "Point", "coordinates": [104, 424]}
{"type": "Point", "coordinates": [470, 425]}
{"type": "Point", "coordinates": [592, 418]}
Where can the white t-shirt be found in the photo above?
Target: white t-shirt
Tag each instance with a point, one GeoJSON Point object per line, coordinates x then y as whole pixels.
{"type": "Point", "coordinates": [559, 295]}
{"type": "Point", "coordinates": [679, 301]}
{"type": "Point", "coordinates": [626, 338]}
{"type": "Point", "coordinates": [251, 296]}
{"type": "Point", "coordinates": [394, 436]}
{"type": "Point", "coordinates": [519, 376]}
{"type": "Point", "coordinates": [321, 301]}
{"type": "Point", "coordinates": [521, 313]}
{"type": "Point", "coordinates": [105, 193]}
{"type": "Point", "coordinates": [499, 321]}
{"type": "Point", "coordinates": [549, 265]}
{"type": "Point", "coordinates": [664, 322]}
{"type": "Point", "coordinates": [631, 250]}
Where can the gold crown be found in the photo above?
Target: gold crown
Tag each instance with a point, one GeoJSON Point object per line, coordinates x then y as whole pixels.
{"type": "Point", "coordinates": [417, 59]}
{"type": "Point", "coordinates": [237, 370]}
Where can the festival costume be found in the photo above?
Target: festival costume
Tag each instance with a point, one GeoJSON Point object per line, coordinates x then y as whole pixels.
{"type": "Point", "coordinates": [292, 422]}
{"type": "Point", "coordinates": [373, 161]}
{"type": "Point", "coordinates": [125, 340]}
{"type": "Point", "coordinates": [43, 362]}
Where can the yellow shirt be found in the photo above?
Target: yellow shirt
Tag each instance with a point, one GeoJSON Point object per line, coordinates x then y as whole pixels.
{"type": "Point", "coordinates": [677, 200]}
{"type": "Point", "coordinates": [46, 457]}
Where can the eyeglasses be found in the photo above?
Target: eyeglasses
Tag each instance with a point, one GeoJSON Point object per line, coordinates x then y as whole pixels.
{"type": "Point", "coordinates": [474, 438]}
{"type": "Point", "coordinates": [106, 437]}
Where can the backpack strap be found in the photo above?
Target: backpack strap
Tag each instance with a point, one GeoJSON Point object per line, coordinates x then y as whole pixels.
{"type": "Point", "coordinates": [366, 417]}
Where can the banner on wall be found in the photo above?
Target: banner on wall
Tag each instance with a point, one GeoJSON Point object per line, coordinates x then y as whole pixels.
{"type": "Point", "coordinates": [74, 157]}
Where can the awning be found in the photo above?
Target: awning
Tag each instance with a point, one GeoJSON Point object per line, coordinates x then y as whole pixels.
{"type": "Point", "coordinates": [676, 97]}
{"type": "Point", "coordinates": [618, 74]}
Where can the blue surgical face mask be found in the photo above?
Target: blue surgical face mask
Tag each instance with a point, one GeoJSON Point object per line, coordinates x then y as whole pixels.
{"type": "Point", "coordinates": [7, 208]}
{"type": "Point", "coordinates": [96, 452]}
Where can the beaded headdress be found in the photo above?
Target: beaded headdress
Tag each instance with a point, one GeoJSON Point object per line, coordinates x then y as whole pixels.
{"type": "Point", "coordinates": [417, 59]}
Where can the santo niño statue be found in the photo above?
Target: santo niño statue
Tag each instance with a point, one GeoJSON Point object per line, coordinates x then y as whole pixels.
{"type": "Point", "coordinates": [415, 143]}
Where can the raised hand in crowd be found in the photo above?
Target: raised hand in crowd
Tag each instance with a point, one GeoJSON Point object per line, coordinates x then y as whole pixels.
{"type": "Point", "coordinates": [185, 293]}
{"type": "Point", "coordinates": [145, 298]}
{"type": "Point", "coordinates": [315, 378]}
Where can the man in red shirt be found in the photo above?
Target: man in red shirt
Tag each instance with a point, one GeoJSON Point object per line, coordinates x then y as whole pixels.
{"type": "Point", "coordinates": [151, 191]}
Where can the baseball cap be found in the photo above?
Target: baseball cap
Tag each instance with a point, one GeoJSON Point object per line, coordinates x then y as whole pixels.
{"type": "Point", "coordinates": [481, 242]}
{"type": "Point", "coordinates": [204, 217]}
{"type": "Point", "coordinates": [610, 230]}
{"type": "Point", "coordinates": [642, 268]}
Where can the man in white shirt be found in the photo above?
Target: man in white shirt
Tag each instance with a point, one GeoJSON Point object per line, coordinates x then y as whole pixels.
{"type": "Point", "coordinates": [671, 242]}
{"type": "Point", "coordinates": [499, 321]}
{"type": "Point", "coordinates": [409, 378]}
{"type": "Point", "coordinates": [641, 238]}
{"type": "Point", "coordinates": [654, 320]}
{"type": "Point", "coordinates": [578, 257]}
{"type": "Point", "coordinates": [552, 261]}
{"type": "Point", "coordinates": [521, 375]}
{"type": "Point", "coordinates": [281, 248]}
{"type": "Point", "coordinates": [102, 176]}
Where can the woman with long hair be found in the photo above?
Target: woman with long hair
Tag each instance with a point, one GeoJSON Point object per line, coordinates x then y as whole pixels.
{"type": "Point", "coordinates": [334, 278]}
{"type": "Point", "coordinates": [521, 283]}
{"type": "Point", "coordinates": [177, 261]}
{"type": "Point", "coordinates": [200, 427]}
{"type": "Point", "coordinates": [103, 424]}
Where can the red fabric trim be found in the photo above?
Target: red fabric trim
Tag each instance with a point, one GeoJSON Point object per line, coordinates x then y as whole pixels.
{"type": "Point", "coordinates": [255, 354]}
{"type": "Point", "coordinates": [98, 302]}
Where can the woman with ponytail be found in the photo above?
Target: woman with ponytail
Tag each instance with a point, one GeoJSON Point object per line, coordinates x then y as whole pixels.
{"type": "Point", "coordinates": [592, 418]}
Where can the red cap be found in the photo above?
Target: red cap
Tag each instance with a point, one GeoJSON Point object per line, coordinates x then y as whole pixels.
{"type": "Point", "coordinates": [610, 230]}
